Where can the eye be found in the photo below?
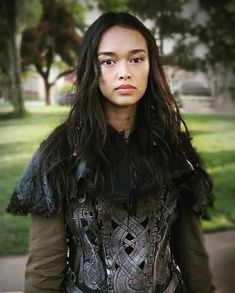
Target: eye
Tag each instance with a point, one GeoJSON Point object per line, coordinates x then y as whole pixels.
{"type": "Point", "coordinates": [137, 60]}
{"type": "Point", "coordinates": [107, 62]}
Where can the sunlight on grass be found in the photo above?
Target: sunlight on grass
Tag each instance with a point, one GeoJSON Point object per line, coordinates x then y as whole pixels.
{"type": "Point", "coordinates": [218, 223]}
{"type": "Point", "coordinates": [214, 137]}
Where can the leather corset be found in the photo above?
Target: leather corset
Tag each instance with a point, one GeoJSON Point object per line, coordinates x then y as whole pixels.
{"type": "Point", "coordinates": [111, 251]}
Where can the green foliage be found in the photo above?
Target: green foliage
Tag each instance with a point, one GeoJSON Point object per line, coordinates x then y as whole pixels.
{"type": "Point", "coordinates": [217, 32]}
{"type": "Point", "coordinates": [166, 16]}
{"type": "Point", "coordinates": [214, 137]}
{"type": "Point", "coordinates": [112, 5]}
{"type": "Point", "coordinates": [156, 9]}
{"type": "Point", "coordinates": [28, 13]}
{"type": "Point", "coordinates": [55, 34]}
{"type": "Point", "coordinates": [78, 11]}
{"type": "Point", "coordinates": [183, 56]}
{"type": "Point", "coordinates": [14, 19]}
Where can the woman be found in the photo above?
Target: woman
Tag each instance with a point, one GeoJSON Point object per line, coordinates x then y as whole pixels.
{"type": "Point", "coordinates": [116, 191]}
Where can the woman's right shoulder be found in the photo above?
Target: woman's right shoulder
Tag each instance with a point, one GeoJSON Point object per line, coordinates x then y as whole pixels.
{"type": "Point", "coordinates": [33, 193]}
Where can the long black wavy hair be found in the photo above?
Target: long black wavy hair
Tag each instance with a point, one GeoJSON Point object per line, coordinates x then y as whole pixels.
{"type": "Point", "coordinates": [161, 136]}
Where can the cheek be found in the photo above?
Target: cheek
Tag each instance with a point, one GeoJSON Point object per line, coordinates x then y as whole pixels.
{"type": "Point", "coordinates": [146, 75]}
{"type": "Point", "coordinates": [102, 81]}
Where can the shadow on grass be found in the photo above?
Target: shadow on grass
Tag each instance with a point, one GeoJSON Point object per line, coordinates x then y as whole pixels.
{"type": "Point", "coordinates": [194, 133]}
{"type": "Point", "coordinates": [14, 234]}
{"type": "Point", "coordinates": [36, 117]}
{"type": "Point", "coordinates": [9, 148]}
{"type": "Point", "coordinates": [10, 115]}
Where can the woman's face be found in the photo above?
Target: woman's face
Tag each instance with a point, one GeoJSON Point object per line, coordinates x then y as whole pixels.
{"type": "Point", "coordinates": [124, 63]}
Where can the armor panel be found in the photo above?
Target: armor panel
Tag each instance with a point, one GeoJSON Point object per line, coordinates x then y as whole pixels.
{"type": "Point", "coordinates": [115, 252]}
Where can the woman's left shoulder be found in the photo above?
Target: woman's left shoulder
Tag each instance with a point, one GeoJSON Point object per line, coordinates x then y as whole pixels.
{"type": "Point", "coordinates": [193, 187]}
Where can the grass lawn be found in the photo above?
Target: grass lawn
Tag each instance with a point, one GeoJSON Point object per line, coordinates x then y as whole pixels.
{"type": "Point", "coordinates": [19, 138]}
{"type": "Point", "coordinates": [214, 137]}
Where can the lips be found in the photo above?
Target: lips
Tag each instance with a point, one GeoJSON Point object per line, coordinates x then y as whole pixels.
{"type": "Point", "coordinates": [125, 86]}
{"type": "Point", "coordinates": [125, 89]}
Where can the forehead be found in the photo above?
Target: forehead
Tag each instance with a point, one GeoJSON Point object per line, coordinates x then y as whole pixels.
{"type": "Point", "coordinates": [119, 38]}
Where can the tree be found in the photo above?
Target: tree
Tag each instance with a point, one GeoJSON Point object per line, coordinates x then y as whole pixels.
{"type": "Point", "coordinates": [54, 37]}
{"type": "Point", "coordinates": [111, 5]}
{"type": "Point", "coordinates": [166, 17]}
{"type": "Point", "coordinates": [217, 34]}
{"type": "Point", "coordinates": [15, 15]}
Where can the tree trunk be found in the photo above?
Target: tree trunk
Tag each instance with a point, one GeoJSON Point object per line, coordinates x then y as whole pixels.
{"type": "Point", "coordinates": [222, 85]}
{"type": "Point", "coordinates": [47, 92]}
{"type": "Point", "coordinates": [11, 51]}
{"type": "Point", "coordinates": [161, 34]}
{"type": "Point", "coordinates": [48, 85]}
{"type": "Point", "coordinates": [161, 40]}
{"type": "Point", "coordinates": [16, 97]}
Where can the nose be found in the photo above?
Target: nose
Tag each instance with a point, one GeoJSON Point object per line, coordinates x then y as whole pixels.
{"type": "Point", "coordinates": [124, 72]}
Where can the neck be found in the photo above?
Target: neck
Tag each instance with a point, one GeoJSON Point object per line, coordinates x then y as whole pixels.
{"type": "Point", "coordinates": [123, 120]}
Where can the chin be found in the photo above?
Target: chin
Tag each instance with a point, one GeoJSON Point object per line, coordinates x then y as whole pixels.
{"type": "Point", "coordinates": [127, 101]}
{"type": "Point", "coordinates": [126, 104]}
{"type": "Point", "coordinates": [122, 101]}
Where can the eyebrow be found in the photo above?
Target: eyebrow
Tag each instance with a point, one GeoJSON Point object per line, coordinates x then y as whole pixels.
{"type": "Point", "coordinates": [109, 53]}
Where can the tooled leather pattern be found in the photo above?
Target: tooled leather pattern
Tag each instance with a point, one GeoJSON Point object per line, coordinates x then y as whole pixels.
{"type": "Point", "coordinates": [115, 252]}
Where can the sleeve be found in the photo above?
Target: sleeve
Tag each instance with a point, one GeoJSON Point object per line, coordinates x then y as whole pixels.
{"type": "Point", "coordinates": [190, 252]}
{"type": "Point", "coordinates": [46, 263]}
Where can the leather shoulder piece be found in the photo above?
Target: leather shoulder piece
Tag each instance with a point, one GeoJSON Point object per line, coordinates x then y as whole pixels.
{"type": "Point", "coordinates": [203, 197]}
{"type": "Point", "coordinates": [193, 187]}
{"type": "Point", "coordinates": [32, 193]}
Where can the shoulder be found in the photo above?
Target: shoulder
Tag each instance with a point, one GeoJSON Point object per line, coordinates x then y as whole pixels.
{"type": "Point", "coordinates": [193, 185]}
{"type": "Point", "coordinates": [32, 193]}
{"type": "Point", "coordinates": [197, 192]}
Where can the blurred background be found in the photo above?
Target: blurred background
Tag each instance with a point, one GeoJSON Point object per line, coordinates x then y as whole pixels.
{"type": "Point", "coordinates": [39, 47]}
